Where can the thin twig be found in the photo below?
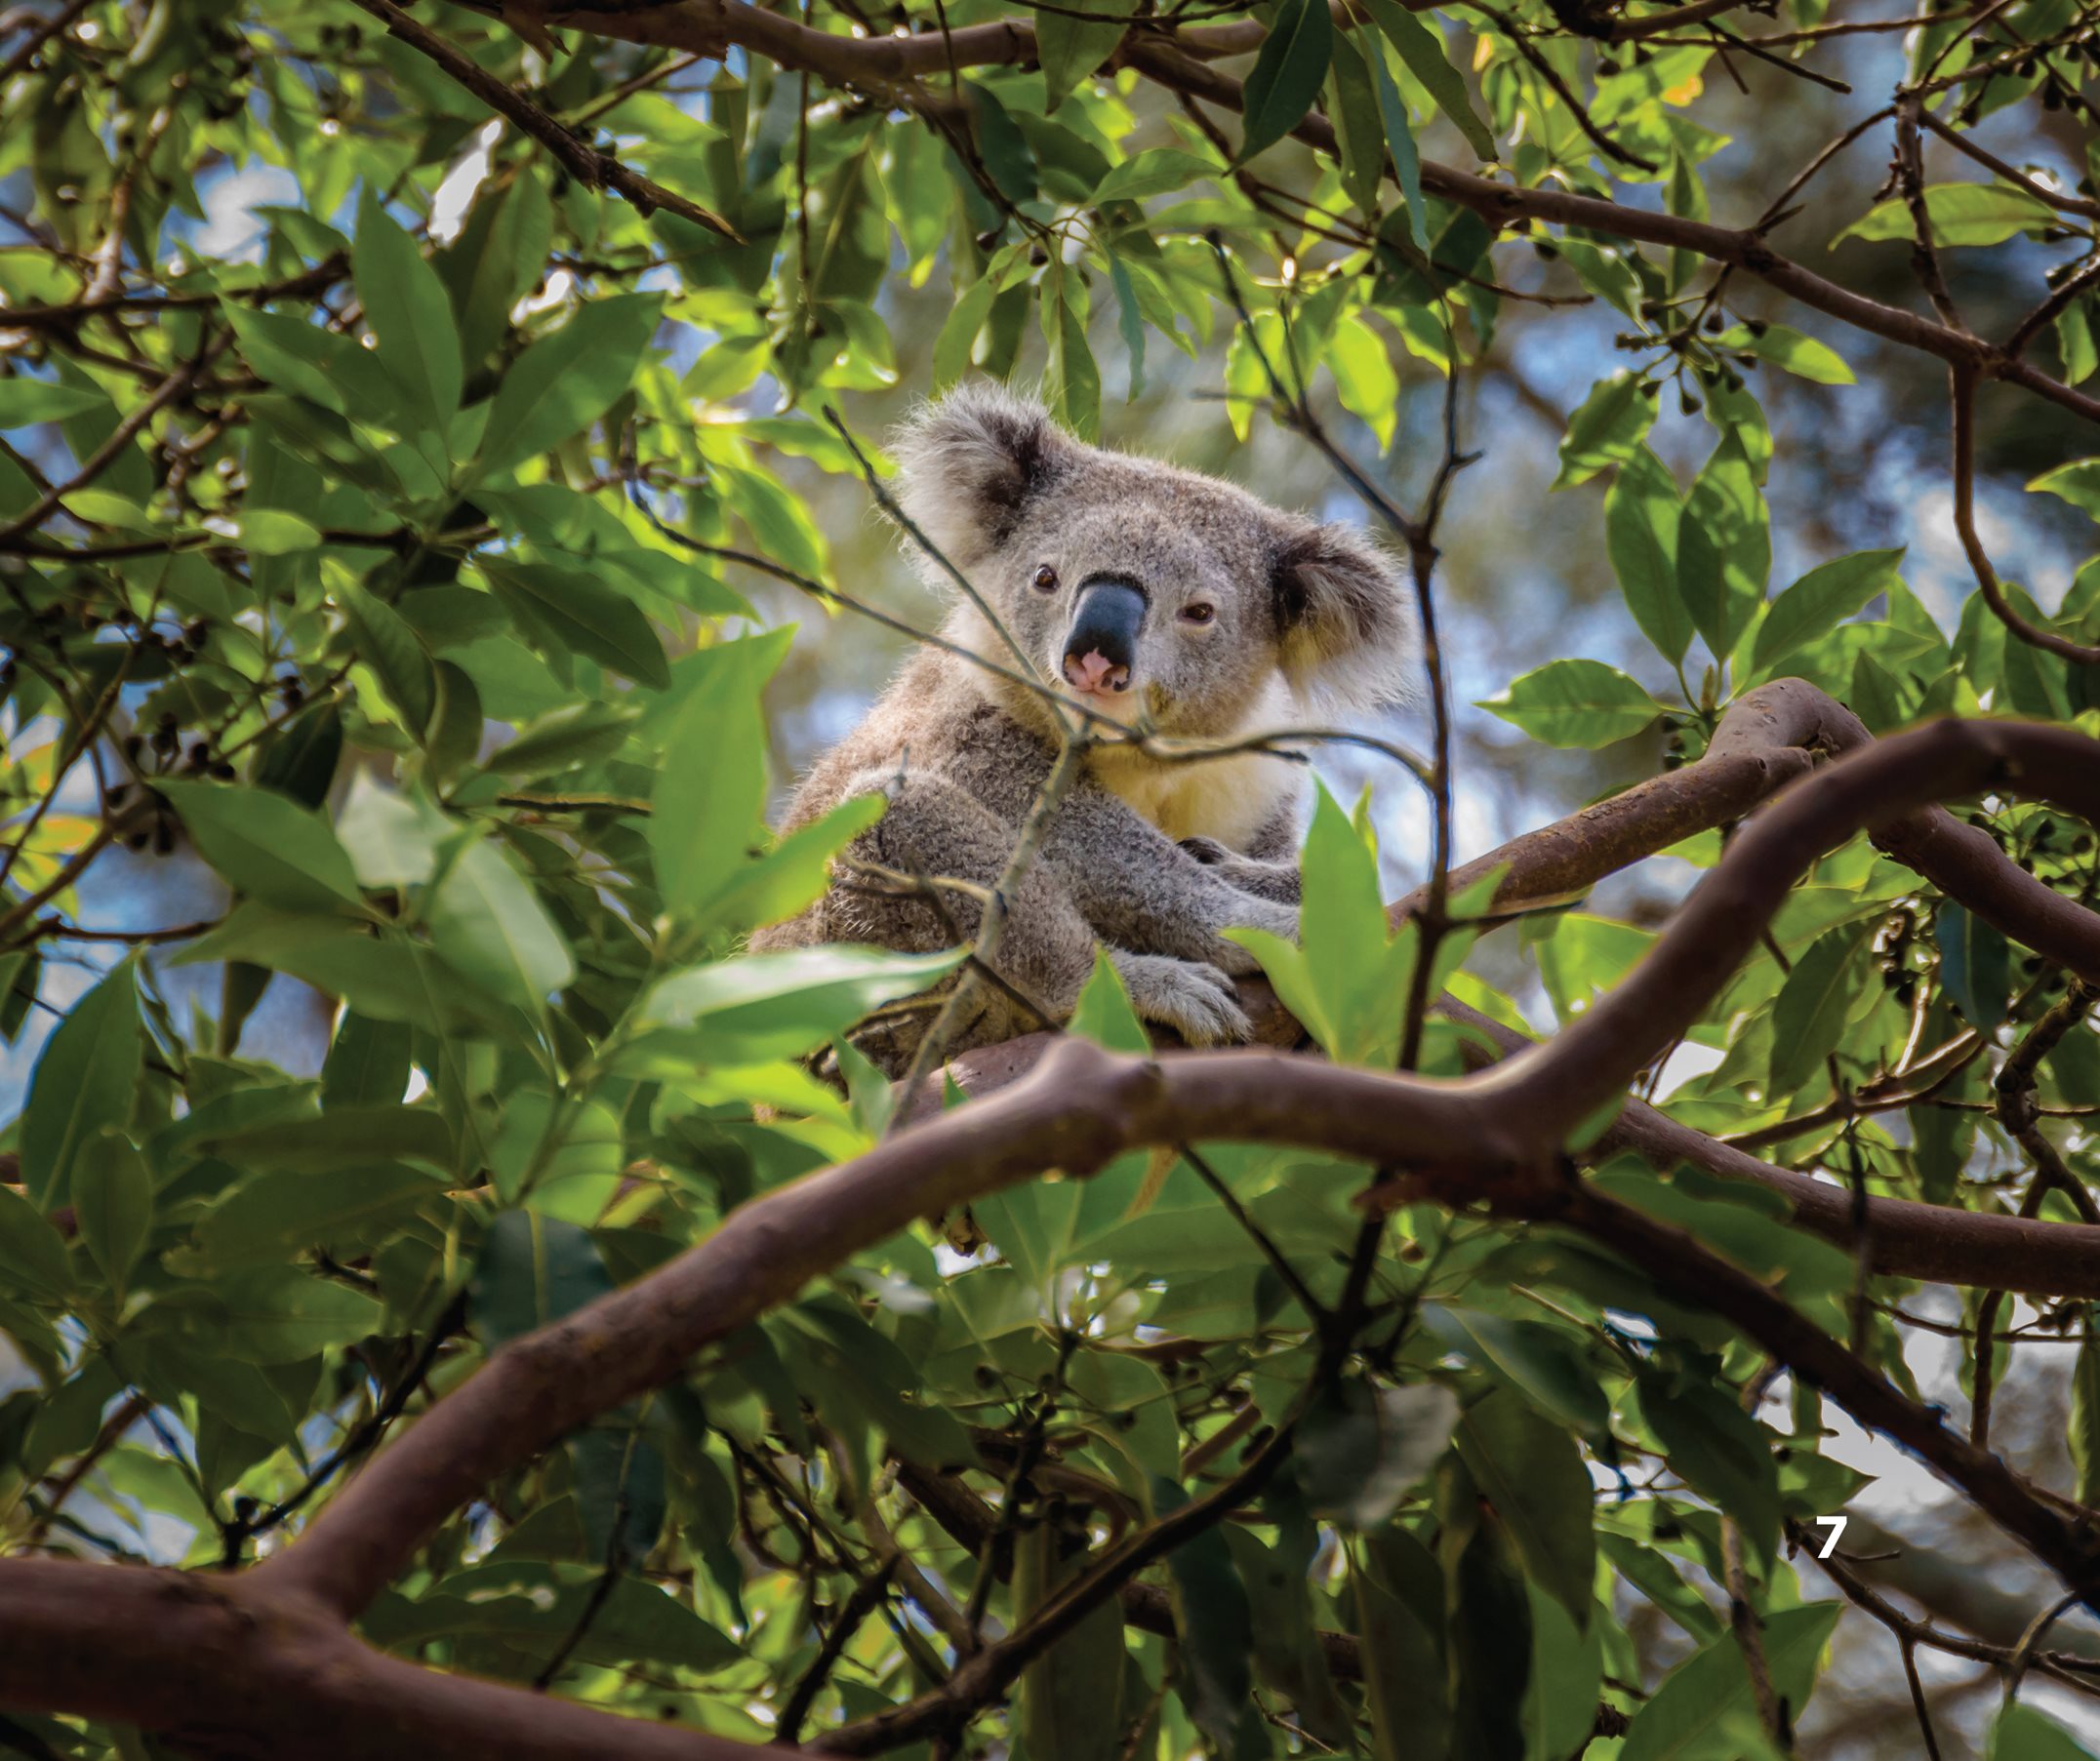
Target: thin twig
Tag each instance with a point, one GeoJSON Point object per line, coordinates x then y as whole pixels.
{"type": "Point", "coordinates": [1962, 382]}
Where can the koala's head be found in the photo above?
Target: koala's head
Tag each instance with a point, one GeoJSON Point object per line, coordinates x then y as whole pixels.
{"type": "Point", "coordinates": [1141, 590]}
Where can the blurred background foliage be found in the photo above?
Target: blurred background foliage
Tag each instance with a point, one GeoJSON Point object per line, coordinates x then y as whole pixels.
{"type": "Point", "coordinates": [387, 775]}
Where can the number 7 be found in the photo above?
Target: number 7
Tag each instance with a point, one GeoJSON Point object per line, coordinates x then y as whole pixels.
{"type": "Point", "coordinates": [1835, 1525]}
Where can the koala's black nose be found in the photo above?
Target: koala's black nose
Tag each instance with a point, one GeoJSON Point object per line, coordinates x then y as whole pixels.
{"type": "Point", "coordinates": [1103, 646]}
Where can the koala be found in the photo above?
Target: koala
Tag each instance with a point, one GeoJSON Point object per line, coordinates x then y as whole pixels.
{"type": "Point", "coordinates": [1159, 599]}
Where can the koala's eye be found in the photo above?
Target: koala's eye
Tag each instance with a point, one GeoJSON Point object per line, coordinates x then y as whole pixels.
{"type": "Point", "coordinates": [1047, 578]}
{"type": "Point", "coordinates": [1200, 610]}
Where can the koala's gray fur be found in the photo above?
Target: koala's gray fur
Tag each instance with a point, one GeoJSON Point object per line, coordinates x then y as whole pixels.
{"type": "Point", "coordinates": [1151, 858]}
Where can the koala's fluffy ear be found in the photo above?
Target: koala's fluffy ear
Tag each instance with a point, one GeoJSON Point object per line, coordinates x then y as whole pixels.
{"type": "Point", "coordinates": [970, 461]}
{"type": "Point", "coordinates": [1345, 623]}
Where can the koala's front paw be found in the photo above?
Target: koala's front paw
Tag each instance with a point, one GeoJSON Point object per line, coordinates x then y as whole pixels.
{"type": "Point", "coordinates": [1277, 881]}
{"type": "Point", "coordinates": [1194, 998]}
{"type": "Point", "coordinates": [1254, 913]}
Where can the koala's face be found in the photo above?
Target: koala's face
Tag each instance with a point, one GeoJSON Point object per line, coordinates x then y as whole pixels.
{"type": "Point", "coordinates": [1146, 593]}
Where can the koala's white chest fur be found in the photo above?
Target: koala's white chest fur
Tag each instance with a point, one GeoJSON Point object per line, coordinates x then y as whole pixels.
{"type": "Point", "coordinates": [1230, 799]}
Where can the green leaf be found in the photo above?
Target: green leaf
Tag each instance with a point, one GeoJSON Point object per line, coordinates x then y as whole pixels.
{"type": "Point", "coordinates": [300, 761]}
{"type": "Point", "coordinates": [406, 309]}
{"type": "Point", "coordinates": [1610, 426]}
{"type": "Point", "coordinates": [1642, 513]}
{"type": "Point", "coordinates": [2074, 344]}
{"type": "Point", "coordinates": [1717, 1449]}
{"type": "Point", "coordinates": [1975, 965]}
{"type": "Point", "coordinates": [959, 331]}
{"type": "Point", "coordinates": [1724, 547]}
{"type": "Point", "coordinates": [1002, 147]}
{"type": "Point", "coordinates": [1538, 1362]}
{"type": "Point", "coordinates": [394, 836]}
{"type": "Point", "coordinates": [26, 401]}
{"type": "Point", "coordinates": [1576, 703]}
{"type": "Point", "coordinates": [278, 1216]}
{"type": "Point", "coordinates": [530, 1610]}
{"type": "Point", "coordinates": [1075, 380]}
{"type": "Point", "coordinates": [1802, 356]}
{"type": "Point", "coordinates": [1364, 380]}
{"type": "Point", "coordinates": [1568, 1664]}
{"type": "Point", "coordinates": [1531, 1472]}
{"type": "Point", "coordinates": [267, 847]}
{"type": "Point", "coordinates": [1649, 1571]}
{"type": "Point", "coordinates": [1960, 214]}
{"type": "Point", "coordinates": [1069, 49]}
{"type": "Point", "coordinates": [622, 1495]}
{"type": "Point", "coordinates": [1287, 73]}
{"type": "Point", "coordinates": [1821, 600]}
{"type": "Point", "coordinates": [1399, 1607]}
{"type": "Point", "coordinates": [2022, 1734]}
{"type": "Point", "coordinates": [1423, 49]}
{"type": "Point", "coordinates": [279, 1315]}
{"type": "Point", "coordinates": [300, 357]}
{"type": "Point", "coordinates": [32, 1252]}
{"type": "Point", "coordinates": [2077, 482]}
{"type": "Point", "coordinates": [113, 1201]}
{"type": "Point", "coordinates": [386, 976]}
{"type": "Point", "coordinates": [488, 923]}
{"type": "Point", "coordinates": [1489, 1625]}
{"type": "Point", "coordinates": [271, 532]}
{"type": "Point", "coordinates": [795, 871]}
{"type": "Point", "coordinates": [564, 610]}
{"type": "Point", "coordinates": [386, 644]}
{"type": "Point", "coordinates": [566, 380]}
{"type": "Point", "coordinates": [704, 817]}
{"type": "Point", "coordinates": [1364, 1445]}
{"type": "Point", "coordinates": [531, 1271]}
{"type": "Point", "coordinates": [780, 1005]}
{"type": "Point", "coordinates": [1214, 1624]}
{"type": "Point", "coordinates": [347, 1137]}
{"type": "Point", "coordinates": [1070, 1701]}
{"type": "Point", "coordinates": [1809, 1018]}
{"type": "Point", "coordinates": [1400, 143]}
{"type": "Point", "coordinates": [1104, 1015]}
{"type": "Point", "coordinates": [874, 1373]}
{"type": "Point", "coordinates": [1705, 1706]}
{"type": "Point", "coordinates": [83, 1081]}
{"type": "Point", "coordinates": [1351, 103]}
{"type": "Point", "coordinates": [1129, 324]}
{"type": "Point", "coordinates": [1153, 172]}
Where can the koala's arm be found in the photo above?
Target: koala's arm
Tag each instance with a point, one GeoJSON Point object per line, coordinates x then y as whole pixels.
{"type": "Point", "coordinates": [1144, 892]}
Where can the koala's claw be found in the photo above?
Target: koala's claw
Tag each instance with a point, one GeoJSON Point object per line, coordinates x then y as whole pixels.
{"type": "Point", "coordinates": [1192, 997]}
{"type": "Point", "coordinates": [1207, 851]}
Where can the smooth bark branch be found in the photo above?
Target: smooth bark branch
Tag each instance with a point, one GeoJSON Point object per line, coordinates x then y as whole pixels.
{"type": "Point", "coordinates": [1770, 738]}
{"type": "Point", "coordinates": [1905, 1239]}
